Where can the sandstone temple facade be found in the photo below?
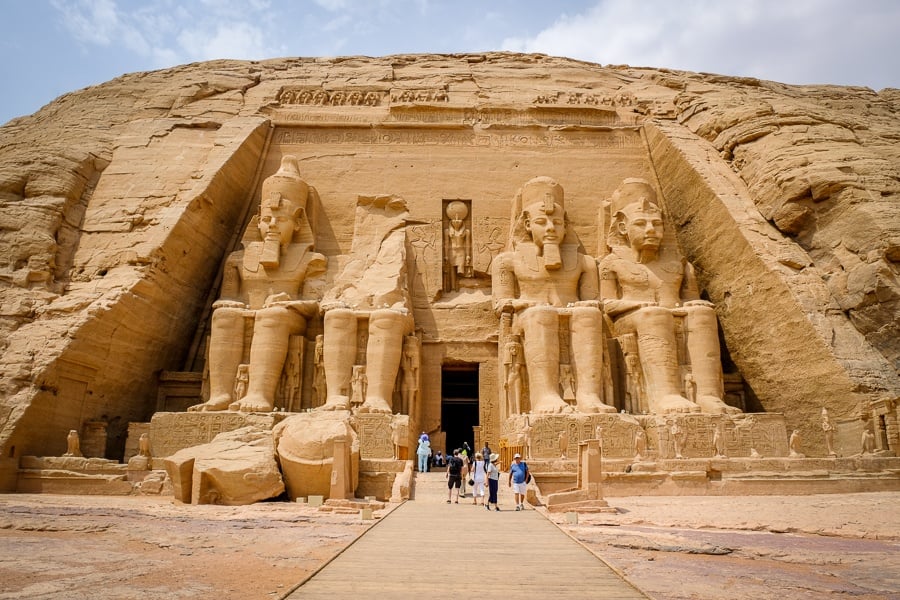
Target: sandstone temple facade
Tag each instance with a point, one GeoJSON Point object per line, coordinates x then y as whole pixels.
{"type": "Point", "coordinates": [520, 249]}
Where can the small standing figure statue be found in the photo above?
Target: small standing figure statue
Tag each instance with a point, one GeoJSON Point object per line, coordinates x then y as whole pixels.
{"type": "Point", "coordinates": [241, 381]}
{"type": "Point", "coordinates": [567, 383]}
{"type": "Point", "coordinates": [719, 439]}
{"type": "Point", "coordinates": [527, 438]}
{"type": "Point", "coordinates": [677, 434]}
{"type": "Point", "coordinates": [512, 383]}
{"type": "Point", "coordinates": [868, 441]}
{"type": "Point", "coordinates": [358, 386]}
{"type": "Point", "coordinates": [690, 387]}
{"type": "Point", "coordinates": [73, 444]}
{"type": "Point", "coordinates": [563, 444]}
{"type": "Point", "coordinates": [828, 430]}
{"type": "Point", "coordinates": [794, 444]}
{"type": "Point", "coordinates": [458, 246]}
{"type": "Point", "coordinates": [640, 445]}
{"type": "Point", "coordinates": [409, 367]}
{"type": "Point", "coordinates": [319, 374]}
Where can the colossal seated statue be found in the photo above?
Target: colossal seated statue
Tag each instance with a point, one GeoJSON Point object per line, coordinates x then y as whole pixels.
{"type": "Point", "coordinates": [264, 283]}
{"type": "Point", "coordinates": [645, 285]}
{"type": "Point", "coordinates": [545, 281]}
{"type": "Point", "coordinates": [367, 311]}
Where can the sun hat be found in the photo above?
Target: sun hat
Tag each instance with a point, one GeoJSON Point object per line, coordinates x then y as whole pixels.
{"type": "Point", "coordinates": [495, 457]}
{"type": "Point", "coordinates": [517, 455]}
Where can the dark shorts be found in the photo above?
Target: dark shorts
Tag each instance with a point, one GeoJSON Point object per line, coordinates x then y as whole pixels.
{"type": "Point", "coordinates": [453, 481]}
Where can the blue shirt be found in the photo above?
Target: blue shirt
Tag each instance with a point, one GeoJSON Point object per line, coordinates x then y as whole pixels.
{"type": "Point", "coordinates": [518, 472]}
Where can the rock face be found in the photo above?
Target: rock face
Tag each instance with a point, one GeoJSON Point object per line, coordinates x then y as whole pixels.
{"type": "Point", "coordinates": [121, 203]}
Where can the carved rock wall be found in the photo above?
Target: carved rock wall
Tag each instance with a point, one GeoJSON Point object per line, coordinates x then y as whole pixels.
{"type": "Point", "coordinates": [118, 202]}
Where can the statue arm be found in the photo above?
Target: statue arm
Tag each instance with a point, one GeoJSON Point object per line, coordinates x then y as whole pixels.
{"type": "Point", "coordinates": [690, 291]}
{"type": "Point", "coordinates": [503, 283]}
{"type": "Point", "coordinates": [610, 293]}
{"type": "Point", "coordinates": [589, 284]}
{"type": "Point", "coordinates": [230, 292]}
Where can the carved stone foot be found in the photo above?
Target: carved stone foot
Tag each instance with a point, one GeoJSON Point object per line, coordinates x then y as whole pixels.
{"type": "Point", "coordinates": [592, 404]}
{"type": "Point", "coordinates": [218, 403]}
{"type": "Point", "coordinates": [336, 403]}
{"type": "Point", "coordinates": [674, 403]}
{"type": "Point", "coordinates": [375, 405]}
{"type": "Point", "coordinates": [254, 403]}
{"type": "Point", "coordinates": [713, 405]}
{"type": "Point", "coordinates": [550, 404]}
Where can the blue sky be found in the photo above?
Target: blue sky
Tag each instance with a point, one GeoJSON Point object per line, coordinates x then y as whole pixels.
{"type": "Point", "coordinates": [51, 47]}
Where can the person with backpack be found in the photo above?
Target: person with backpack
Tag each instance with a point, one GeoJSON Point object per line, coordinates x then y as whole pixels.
{"type": "Point", "coordinates": [518, 479]}
{"type": "Point", "coordinates": [454, 475]}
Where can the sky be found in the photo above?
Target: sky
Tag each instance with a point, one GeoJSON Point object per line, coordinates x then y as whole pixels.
{"type": "Point", "coordinates": [51, 47]}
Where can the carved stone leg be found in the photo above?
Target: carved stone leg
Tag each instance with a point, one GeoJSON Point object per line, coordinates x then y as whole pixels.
{"type": "Point", "coordinates": [226, 348]}
{"type": "Point", "coordinates": [383, 351]}
{"type": "Point", "coordinates": [272, 329]}
{"type": "Point", "coordinates": [587, 358]}
{"type": "Point", "coordinates": [541, 347]}
{"type": "Point", "coordinates": [658, 353]}
{"type": "Point", "coordinates": [339, 354]}
{"type": "Point", "coordinates": [701, 331]}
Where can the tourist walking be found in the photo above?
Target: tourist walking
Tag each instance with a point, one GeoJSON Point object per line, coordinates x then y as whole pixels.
{"type": "Point", "coordinates": [518, 480]}
{"type": "Point", "coordinates": [454, 475]}
{"type": "Point", "coordinates": [478, 477]}
{"type": "Point", "coordinates": [423, 452]}
{"type": "Point", "coordinates": [493, 479]}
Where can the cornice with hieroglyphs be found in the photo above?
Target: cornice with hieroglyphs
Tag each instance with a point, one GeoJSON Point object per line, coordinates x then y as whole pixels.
{"type": "Point", "coordinates": [316, 96]}
{"type": "Point", "coordinates": [580, 98]}
{"type": "Point", "coordinates": [438, 94]}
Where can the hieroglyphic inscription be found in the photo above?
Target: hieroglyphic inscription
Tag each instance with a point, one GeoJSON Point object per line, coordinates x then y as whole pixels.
{"type": "Point", "coordinates": [617, 433]}
{"type": "Point", "coordinates": [375, 436]}
{"type": "Point", "coordinates": [319, 97]}
{"type": "Point", "coordinates": [490, 238]}
{"type": "Point", "coordinates": [425, 240]}
{"type": "Point", "coordinates": [536, 115]}
{"type": "Point", "coordinates": [613, 139]}
{"type": "Point", "coordinates": [569, 98]}
{"type": "Point", "coordinates": [420, 95]}
{"type": "Point", "coordinates": [764, 433]}
{"type": "Point", "coordinates": [171, 432]}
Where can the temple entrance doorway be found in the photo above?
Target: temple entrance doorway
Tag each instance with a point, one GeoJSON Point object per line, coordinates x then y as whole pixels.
{"type": "Point", "coordinates": [459, 404]}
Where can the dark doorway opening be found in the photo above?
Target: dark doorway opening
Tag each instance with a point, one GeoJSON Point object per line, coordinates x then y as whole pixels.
{"type": "Point", "coordinates": [459, 405]}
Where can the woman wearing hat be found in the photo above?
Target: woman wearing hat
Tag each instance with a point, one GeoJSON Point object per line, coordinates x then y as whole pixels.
{"type": "Point", "coordinates": [493, 477]}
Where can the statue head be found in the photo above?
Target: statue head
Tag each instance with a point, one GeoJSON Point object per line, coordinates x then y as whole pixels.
{"type": "Point", "coordinates": [543, 214]}
{"type": "Point", "coordinates": [457, 212]}
{"type": "Point", "coordinates": [283, 202]}
{"type": "Point", "coordinates": [636, 218]}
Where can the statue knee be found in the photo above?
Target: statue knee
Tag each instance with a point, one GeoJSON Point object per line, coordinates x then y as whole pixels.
{"type": "Point", "coordinates": [279, 318]}
{"type": "Point", "coordinates": [540, 316]}
{"type": "Point", "coordinates": [340, 319]}
{"type": "Point", "coordinates": [656, 317]}
{"type": "Point", "coordinates": [387, 319]}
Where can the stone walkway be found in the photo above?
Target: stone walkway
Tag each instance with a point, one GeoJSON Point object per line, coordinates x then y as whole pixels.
{"type": "Point", "coordinates": [427, 548]}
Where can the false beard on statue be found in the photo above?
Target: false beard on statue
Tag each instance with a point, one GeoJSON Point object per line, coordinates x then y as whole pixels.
{"type": "Point", "coordinates": [271, 252]}
{"type": "Point", "coordinates": [552, 260]}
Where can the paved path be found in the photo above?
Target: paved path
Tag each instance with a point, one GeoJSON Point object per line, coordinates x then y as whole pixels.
{"type": "Point", "coordinates": [430, 549]}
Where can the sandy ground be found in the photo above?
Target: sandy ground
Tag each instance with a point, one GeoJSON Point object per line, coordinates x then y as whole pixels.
{"type": "Point", "coordinates": [845, 545]}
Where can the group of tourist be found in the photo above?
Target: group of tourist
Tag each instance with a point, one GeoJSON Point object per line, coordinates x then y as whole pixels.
{"type": "Point", "coordinates": [484, 470]}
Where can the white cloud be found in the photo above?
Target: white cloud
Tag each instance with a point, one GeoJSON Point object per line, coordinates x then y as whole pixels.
{"type": "Point", "coordinates": [796, 41]}
{"type": "Point", "coordinates": [227, 40]}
